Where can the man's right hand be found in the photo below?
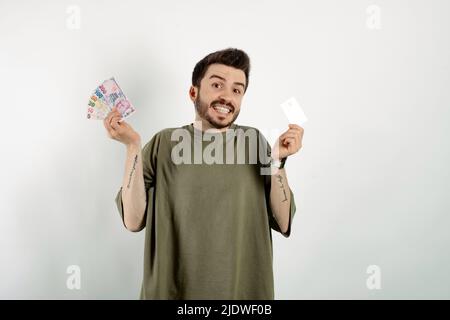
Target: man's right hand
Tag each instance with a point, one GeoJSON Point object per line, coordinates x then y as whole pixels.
{"type": "Point", "coordinates": [120, 131]}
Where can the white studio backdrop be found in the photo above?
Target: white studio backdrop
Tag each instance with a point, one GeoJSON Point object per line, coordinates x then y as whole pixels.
{"type": "Point", "coordinates": [371, 181]}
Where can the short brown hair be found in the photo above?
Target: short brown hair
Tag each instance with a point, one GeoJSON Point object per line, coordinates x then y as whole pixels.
{"type": "Point", "coordinates": [231, 57]}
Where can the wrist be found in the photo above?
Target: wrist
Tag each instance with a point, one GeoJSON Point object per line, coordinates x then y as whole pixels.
{"type": "Point", "coordinates": [278, 163]}
{"type": "Point", "coordinates": [134, 146]}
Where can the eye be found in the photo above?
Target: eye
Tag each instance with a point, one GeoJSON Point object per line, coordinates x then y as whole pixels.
{"type": "Point", "coordinates": [216, 85]}
{"type": "Point", "coordinates": [237, 91]}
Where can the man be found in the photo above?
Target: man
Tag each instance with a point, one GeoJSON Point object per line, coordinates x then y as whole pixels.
{"type": "Point", "coordinates": [208, 220]}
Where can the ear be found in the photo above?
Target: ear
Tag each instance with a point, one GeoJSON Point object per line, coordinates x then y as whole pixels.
{"type": "Point", "coordinates": [193, 92]}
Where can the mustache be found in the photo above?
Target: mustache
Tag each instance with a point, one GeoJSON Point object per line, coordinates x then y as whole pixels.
{"type": "Point", "coordinates": [224, 103]}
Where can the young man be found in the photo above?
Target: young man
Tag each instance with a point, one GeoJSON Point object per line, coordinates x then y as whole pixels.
{"type": "Point", "coordinates": [207, 205]}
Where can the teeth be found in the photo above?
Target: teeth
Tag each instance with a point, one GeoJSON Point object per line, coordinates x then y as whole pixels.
{"type": "Point", "coordinates": [221, 108]}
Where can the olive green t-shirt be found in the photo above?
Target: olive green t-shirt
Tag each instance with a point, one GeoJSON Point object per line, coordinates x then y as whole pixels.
{"type": "Point", "coordinates": [207, 225]}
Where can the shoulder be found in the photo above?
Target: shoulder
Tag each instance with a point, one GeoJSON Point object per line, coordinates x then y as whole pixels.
{"type": "Point", "coordinates": [163, 136]}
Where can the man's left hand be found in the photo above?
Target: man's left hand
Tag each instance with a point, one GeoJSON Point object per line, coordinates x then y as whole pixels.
{"type": "Point", "coordinates": [288, 143]}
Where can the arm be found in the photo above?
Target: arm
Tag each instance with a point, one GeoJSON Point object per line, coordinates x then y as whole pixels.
{"type": "Point", "coordinates": [133, 189]}
{"type": "Point", "coordinates": [280, 199]}
{"type": "Point", "coordinates": [287, 144]}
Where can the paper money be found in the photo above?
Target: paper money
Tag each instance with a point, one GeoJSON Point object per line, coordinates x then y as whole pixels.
{"type": "Point", "coordinates": [107, 96]}
{"type": "Point", "coordinates": [97, 108]}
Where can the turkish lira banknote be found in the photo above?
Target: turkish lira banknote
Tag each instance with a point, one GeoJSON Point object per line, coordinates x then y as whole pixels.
{"type": "Point", "coordinates": [105, 97]}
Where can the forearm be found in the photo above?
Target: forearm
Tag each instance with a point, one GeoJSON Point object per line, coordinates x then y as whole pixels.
{"type": "Point", "coordinates": [280, 198]}
{"type": "Point", "coordinates": [133, 189]}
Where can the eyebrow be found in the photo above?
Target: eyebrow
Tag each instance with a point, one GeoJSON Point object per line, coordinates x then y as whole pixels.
{"type": "Point", "coordinates": [223, 79]}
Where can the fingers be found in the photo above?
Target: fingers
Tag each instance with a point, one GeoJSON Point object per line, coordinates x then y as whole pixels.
{"type": "Point", "coordinates": [289, 141]}
{"type": "Point", "coordinates": [294, 131]}
{"type": "Point", "coordinates": [107, 120]}
{"type": "Point", "coordinates": [291, 138]}
{"type": "Point", "coordinates": [295, 126]}
{"type": "Point", "coordinates": [115, 122]}
{"type": "Point", "coordinates": [110, 122]}
{"type": "Point", "coordinates": [289, 134]}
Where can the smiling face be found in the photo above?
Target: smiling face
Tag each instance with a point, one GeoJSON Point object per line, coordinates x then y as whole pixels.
{"type": "Point", "coordinates": [218, 100]}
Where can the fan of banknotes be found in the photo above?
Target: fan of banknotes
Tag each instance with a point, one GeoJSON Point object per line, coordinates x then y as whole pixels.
{"type": "Point", "coordinates": [105, 97]}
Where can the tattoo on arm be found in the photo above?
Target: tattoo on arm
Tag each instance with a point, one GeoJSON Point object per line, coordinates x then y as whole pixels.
{"type": "Point", "coordinates": [280, 180]}
{"type": "Point", "coordinates": [132, 171]}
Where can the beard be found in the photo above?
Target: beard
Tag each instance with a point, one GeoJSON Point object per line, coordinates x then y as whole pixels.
{"type": "Point", "coordinates": [204, 111]}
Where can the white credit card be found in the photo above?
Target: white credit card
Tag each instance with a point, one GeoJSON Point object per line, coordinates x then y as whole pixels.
{"type": "Point", "coordinates": [293, 112]}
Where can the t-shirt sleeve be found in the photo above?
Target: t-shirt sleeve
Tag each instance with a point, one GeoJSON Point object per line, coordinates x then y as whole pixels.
{"type": "Point", "coordinates": [268, 184]}
{"type": "Point", "coordinates": [149, 163]}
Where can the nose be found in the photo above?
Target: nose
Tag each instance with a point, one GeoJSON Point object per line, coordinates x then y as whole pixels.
{"type": "Point", "coordinates": [225, 98]}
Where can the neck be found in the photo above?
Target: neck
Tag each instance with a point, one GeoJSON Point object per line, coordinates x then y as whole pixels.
{"type": "Point", "coordinates": [202, 124]}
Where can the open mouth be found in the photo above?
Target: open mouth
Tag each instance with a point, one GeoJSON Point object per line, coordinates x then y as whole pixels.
{"type": "Point", "coordinates": [222, 109]}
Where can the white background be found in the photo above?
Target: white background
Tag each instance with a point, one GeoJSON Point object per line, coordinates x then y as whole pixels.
{"type": "Point", "coordinates": [371, 181]}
